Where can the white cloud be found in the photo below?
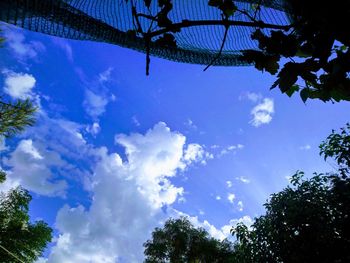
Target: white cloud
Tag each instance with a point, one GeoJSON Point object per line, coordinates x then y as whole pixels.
{"type": "Point", "coordinates": [97, 96]}
{"type": "Point", "coordinates": [230, 149]}
{"type": "Point", "coordinates": [128, 197]}
{"type": "Point", "coordinates": [262, 113]}
{"type": "Point", "coordinates": [218, 233]}
{"type": "Point", "coordinates": [254, 97]}
{"type": "Point", "coordinates": [195, 153]}
{"type": "Point", "coordinates": [228, 184]}
{"type": "Point", "coordinates": [218, 197]}
{"type": "Point", "coordinates": [305, 147]}
{"type": "Point", "coordinates": [212, 230]}
{"type": "Point", "coordinates": [16, 41]}
{"type": "Point", "coordinates": [240, 205]}
{"type": "Point", "coordinates": [243, 179]}
{"type": "Point", "coordinates": [61, 136]}
{"type": "Point", "coordinates": [105, 75]}
{"type": "Point", "coordinates": [19, 85]}
{"type": "Point", "coordinates": [93, 129]}
{"type": "Point", "coordinates": [231, 197]}
{"type": "Point", "coordinates": [95, 104]}
{"type": "Point", "coordinates": [30, 165]}
{"type": "Point", "coordinates": [127, 200]}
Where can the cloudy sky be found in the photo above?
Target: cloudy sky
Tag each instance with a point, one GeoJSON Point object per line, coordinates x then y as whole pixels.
{"type": "Point", "coordinates": [114, 153]}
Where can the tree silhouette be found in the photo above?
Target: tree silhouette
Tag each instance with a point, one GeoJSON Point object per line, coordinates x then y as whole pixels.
{"type": "Point", "coordinates": [308, 221]}
{"type": "Point", "coordinates": [179, 241]}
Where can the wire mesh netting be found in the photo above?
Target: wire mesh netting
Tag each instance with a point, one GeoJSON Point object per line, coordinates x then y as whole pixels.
{"type": "Point", "coordinates": [110, 20]}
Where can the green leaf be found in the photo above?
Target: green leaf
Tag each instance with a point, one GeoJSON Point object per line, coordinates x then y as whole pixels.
{"type": "Point", "coordinates": [261, 61]}
{"type": "Point", "coordinates": [288, 76]}
{"type": "Point", "coordinates": [271, 64]}
{"type": "Point", "coordinates": [292, 89]}
{"type": "Point", "coordinates": [304, 94]}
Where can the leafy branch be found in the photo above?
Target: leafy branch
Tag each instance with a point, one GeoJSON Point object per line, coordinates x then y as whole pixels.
{"type": "Point", "coordinates": [164, 33]}
{"type": "Point", "coordinates": [14, 117]}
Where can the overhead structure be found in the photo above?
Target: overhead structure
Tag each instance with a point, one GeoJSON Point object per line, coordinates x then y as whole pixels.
{"type": "Point", "coordinates": [113, 21]}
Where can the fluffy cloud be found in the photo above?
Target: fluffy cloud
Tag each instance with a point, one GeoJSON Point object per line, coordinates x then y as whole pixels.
{"type": "Point", "coordinates": [19, 85]}
{"type": "Point", "coordinates": [130, 196]}
{"type": "Point", "coordinates": [262, 113]}
{"type": "Point", "coordinates": [16, 42]}
{"type": "Point", "coordinates": [128, 201]}
{"type": "Point", "coordinates": [231, 197]}
{"type": "Point", "coordinates": [93, 129]}
{"type": "Point", "coordinates": [218, 233]}
{"type": "Point", "coordinates": [30, 165]}
{"type": "Point", "coordinates": [95, 104]}
{"type": "Point", "coordinates": [97, 96]}
{"type": "Point", "coordinates": [195, 153]}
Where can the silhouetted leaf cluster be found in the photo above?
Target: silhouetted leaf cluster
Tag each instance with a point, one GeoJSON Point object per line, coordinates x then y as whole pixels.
{"type": "Point", "coordinates": [179, 241]}
{"type": "Point", "coordinates": [316, 44]}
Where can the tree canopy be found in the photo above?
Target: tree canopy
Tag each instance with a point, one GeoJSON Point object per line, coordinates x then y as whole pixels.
{"type": "Point", "coordinates": [308, 221]}
{"type": "Point", "coordinates": [179, 241]}
{"type": "Point", "coordinates": [20, 240]}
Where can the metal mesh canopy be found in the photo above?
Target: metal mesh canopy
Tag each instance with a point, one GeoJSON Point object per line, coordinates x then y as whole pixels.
{"type": "Point", "coordinates": [109, 21]}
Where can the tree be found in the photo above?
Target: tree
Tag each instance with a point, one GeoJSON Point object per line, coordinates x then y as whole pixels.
{"type": "Point", "coordinates": [15, 117]}
{"type": "Point", "coordinates": [315, 44]}
{"type": "Point", "coordinates": [20, 240]}
{"type": "Point", "coordinates": [308, 221]}
{"type": "Point", "coordinates": [179, 241]}
{"type": "Point", "coordinates": [337, 146]}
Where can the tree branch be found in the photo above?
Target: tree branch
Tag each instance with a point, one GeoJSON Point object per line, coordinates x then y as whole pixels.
{"type": "Point", "coordinates": [221, 48]}
{"type": "Point", "coordinates": [190, 23]}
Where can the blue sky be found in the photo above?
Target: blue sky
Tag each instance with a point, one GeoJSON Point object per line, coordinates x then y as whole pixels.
{"type": "Point", "coordinates": [115, 153]}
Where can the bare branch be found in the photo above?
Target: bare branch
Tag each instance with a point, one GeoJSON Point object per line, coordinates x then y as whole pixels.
{"type": "Point", "coordinates": [190, 23]}
{"type": "Point", "coordinates": [227, 27]}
